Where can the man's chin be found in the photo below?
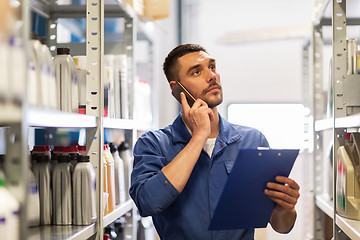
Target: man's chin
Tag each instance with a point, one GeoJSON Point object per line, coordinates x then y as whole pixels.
{"type": "Point", "coordinates": [213, 104]}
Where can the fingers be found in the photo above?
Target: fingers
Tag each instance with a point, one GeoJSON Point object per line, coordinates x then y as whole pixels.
{"type": "Point", "coordinates": [184, 104]}
{"type": "Point", "coordinates": [285, 194]}
{"type": "Point", "coordinates": [288, 181]}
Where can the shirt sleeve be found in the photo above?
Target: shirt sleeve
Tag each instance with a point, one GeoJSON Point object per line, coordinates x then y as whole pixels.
{"type": "Point", "coordinates": [151, 191]}
{"type": "Point", "coordinates": [263, 141]}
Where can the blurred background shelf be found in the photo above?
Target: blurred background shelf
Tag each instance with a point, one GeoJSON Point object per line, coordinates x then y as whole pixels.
{"type": "Point", "coordinates": [118, 212]}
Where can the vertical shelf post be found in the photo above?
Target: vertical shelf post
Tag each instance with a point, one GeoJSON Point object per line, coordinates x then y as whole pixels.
{"type": "Point", "coordinates": [339, 72]}
{"type": "Point", "coordinates": [95, 99]}
{"type": "Point", "coordinates": [318, 110]}
{"type": "Point", "coordinates": [16, 168]}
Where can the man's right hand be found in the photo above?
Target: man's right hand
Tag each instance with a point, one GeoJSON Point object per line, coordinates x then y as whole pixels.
{"type": "Point", "coordinates": [198, 117]}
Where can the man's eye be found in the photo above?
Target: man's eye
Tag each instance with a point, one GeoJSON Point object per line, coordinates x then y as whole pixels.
{"type": "Point", "coordinates": [197, 72]}
{"type": "Point", "coordinates": [212, 67]}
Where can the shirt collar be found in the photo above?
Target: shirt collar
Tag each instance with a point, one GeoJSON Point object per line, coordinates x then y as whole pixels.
{"type": "Point", "coordinates": [227, 134]}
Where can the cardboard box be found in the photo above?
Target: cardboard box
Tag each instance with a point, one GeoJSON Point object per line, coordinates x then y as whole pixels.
{"type": "Point", "coordinates": [156, 9]}
{"type": "Point", "coordinates": [137, 5]}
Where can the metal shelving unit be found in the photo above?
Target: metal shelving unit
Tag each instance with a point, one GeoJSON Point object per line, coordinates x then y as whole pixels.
{"type": "Point", "coordinates": [18, 118]}
{"type": "Point", "coordinates": [338, 16]}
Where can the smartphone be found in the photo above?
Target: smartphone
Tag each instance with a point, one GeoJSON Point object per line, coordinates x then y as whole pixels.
{"type": "Point", "coordinates": [178, 88]}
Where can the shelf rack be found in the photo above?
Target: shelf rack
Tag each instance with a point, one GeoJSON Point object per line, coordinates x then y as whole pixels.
{"type": "Point", "coordinates": [17, 117]}
{"type": "Point", "coordinates": [339, 15]}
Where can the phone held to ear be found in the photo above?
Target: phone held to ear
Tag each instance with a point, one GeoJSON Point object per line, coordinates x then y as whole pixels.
{"type": "Point", "coordinates": [178, 88]}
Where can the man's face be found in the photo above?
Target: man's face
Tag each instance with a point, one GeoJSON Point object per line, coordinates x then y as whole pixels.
{"type": "Point", "coordinates": [197, 72]}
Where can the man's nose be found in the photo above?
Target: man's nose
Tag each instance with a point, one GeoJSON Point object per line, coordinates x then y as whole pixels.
{"type": "Point", "coordinates": [211, 75]}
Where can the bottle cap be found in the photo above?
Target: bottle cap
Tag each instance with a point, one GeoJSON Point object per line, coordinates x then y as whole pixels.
{"type": "Point", "coordinates": [113, 148]}
{"type": "Point", "coordinates": [42, 158]}
{"type": "Point", "coordinates": [74, 156]}
{"type": "Point", "coordinates": [73, 149]}
{"type": "Point", "coordinates": [82, 158]}
{"type": "Point", "coordinates": [63, 51]}
{"type": "Point", "coordinates": [124, 146]}
{"type": "Point", "coordinates": [59, 149]}
{"type": "Point", "coordinates": [41, 148]}
{"type": "Point", "coordinates": [63, 158]}
{"type": "Point", "coordinates": [347, 137]}
{"type": "Point", "coordinates": [82, 148]}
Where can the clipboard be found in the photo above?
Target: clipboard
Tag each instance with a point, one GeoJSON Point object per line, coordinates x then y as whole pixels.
{"type": "Point", "coordinates": [243, 203]}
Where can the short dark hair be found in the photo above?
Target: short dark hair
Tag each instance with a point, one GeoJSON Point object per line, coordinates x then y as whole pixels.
{"type": "Point", "coordinates": [170, 66]}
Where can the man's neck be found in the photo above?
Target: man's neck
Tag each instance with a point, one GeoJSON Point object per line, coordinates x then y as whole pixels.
{"type": "Point", "coordinates": [215, 124]}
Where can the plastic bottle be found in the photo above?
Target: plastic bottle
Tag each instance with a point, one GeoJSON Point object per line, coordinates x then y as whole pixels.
{"type": "Point", "coordinates": [17, 69]}
{"type": "Point", "coordinates": [119, 175]}
{"type": "Point", "coordinates": [49, 71]}
{"type": "Point", "coordinates": [9, 213]}
{"type": "Point", "coordinates": [33, 211]}
{"type": "Point", "coordinates": [4, 69]}
{"type": "Point", "coordinates": [110, 178]}
{"type": "Point", "coordinates": [347, 187]}
{"type": "Point", "coordinates": [73, 153]}
{"type": "Point", "coordinates": [124, 151]}
{"type": "Point", "coordinates": [43, 176]}
{"type": "Point", "coordinates": [109, 82]}
{"type": "Point", "coordinates": [66, 81]}
{"type": "Point", "coordinates": [37, 86]}
{"type": "Point", "coordinates": [105, 185]}
{"type": "Point", "coordinates": [41, 149]}
{"type": "Point", "coordinates": [55, 153]}
{"type": "Point", "coordinates": [84, 192]}
{"type": "Point", "coordinates": [351, 56]}
{"type": "Point", "coordinates": [80, 62]}
{"type": "Point", "coordinates": [62, 194]}
{"type": "Point", "coordinates": [123, 85]}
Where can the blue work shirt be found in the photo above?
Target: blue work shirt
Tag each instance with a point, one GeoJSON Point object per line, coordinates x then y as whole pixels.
{"type": "Point", "coordinates": [187, 215]}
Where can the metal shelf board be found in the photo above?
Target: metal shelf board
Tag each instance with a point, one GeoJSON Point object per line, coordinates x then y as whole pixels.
{"type": "Point", "coordinates": [47, 9]}
{"type": "Point", "coordinates": [48, 118]}
{"type": "Point", "coordinates": [352, 121]}
{"type": "Point", "coordinates": [325, 205]}
{"type": "Point", "coordinates": [118, 212]}
{"type": "Point", "coordinates": [118, 123]}
{"type": "Point", "coordinates": [350, 227]}
{"type": "Point", "coordinates": [61, 232]}
{"type": "Point", "coordinates": [324, 124]}
{"type": "Point", "coordinates": [113, 10]}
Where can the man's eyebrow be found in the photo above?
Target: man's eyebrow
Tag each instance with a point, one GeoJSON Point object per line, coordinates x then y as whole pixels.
{"type": "Point", "coordinates": [192, 68]}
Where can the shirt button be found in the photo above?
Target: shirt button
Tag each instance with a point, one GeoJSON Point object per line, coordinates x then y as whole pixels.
{"type": "Point", "coordinates": [166, 182]}
{"type": "Point", "coordinates": [221, 144]}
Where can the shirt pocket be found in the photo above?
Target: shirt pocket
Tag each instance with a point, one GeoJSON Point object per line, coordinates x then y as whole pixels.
{"type": "Point", "coordinates": [228, 166]}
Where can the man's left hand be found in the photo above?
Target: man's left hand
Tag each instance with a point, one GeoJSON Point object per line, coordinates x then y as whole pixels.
{"type": "Point", "coordinates": [285, 194]}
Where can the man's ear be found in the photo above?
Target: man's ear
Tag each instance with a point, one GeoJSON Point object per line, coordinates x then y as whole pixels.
{"type": "Point", "coordinates": [172, 84]}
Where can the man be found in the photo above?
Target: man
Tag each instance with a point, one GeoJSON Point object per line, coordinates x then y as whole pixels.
{"type": "Point", "coordinates": [180, 171]}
